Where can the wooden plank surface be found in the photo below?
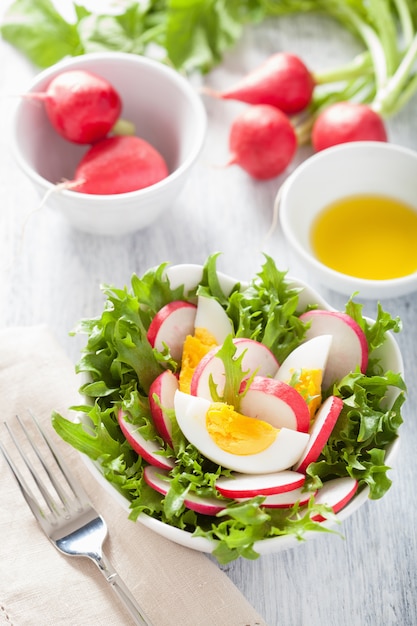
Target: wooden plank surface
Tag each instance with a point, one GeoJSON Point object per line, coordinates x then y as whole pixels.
{"type": "Point", "coordinates": [51, 274]}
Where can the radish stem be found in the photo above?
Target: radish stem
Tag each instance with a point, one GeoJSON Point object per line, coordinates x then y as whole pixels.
{"type": "Point", "coordinates": [123, 127]}
{"type": "Point", "coordinates": [406, 22]}
{"type": "Point", "coordinates": [361, 64]}
{"type": "Point", "coordinates": [406, 94]}
{"type": "Point", "coordinates": [386, 97]}
{"type": "Point", "coordinates": [371, 40]}
{"type": "Point", "coordinates": [385, 28]}
{"type": "Point", "coordinates": [390, 55]}
{"type": "Point", "coordinates": [303, 125]}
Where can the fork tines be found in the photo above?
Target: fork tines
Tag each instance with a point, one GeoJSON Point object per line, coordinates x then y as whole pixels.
{"type": "Point", "coordinates": [65, 515]}
{"type": "Point", "coordinates": [42, 471]}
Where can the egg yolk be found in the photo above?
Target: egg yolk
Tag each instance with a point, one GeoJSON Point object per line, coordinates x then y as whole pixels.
{"type": "Point", "coordinates": [236, 433]}
{"type": "Point", "coordinates": [195, 348]}
{"type": "Point", "coordinates": [308, 385]}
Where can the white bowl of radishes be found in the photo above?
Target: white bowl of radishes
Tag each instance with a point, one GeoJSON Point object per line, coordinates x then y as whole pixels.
{"type": "Point", "coordinates": [108, 139]}
{"type": "Point", "coordinates": [349, 217]}
{"type": "Point", "coordinates": [238, 411]}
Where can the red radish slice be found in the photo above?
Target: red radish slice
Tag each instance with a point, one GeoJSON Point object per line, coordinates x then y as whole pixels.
{"type": "Point", "coordinates": [116, 165]}
{"type": "Point", "coordinates": [250, 485]}
{"type": "Point", "coordinates": [336, 493]}
{"type": "Point", "coordinates": [257, 358]}
{"type": "Point", "coordinates": [288, 499]}
{"type": "Point", "coordinates": [349, 348]}
{"type": "Point", "coordinates": [148, 450]}
{"type": "Point", "coordinates": [81, 106]}
{"type": "Point", "coordinates": [159, 480]}
{"type": "Point", "coordinates": [171, 325]}
{"type": "Point", "coordinates": [277, 403]}
{"type": "Point", "coordinates": [212, 316]}
{"type": "Point", "coordinates": [163, 387]}
{"type": "Point", "coordinates": [325, 420]}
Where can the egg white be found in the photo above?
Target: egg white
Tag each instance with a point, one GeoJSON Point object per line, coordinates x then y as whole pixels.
{"type": "Point", "coordinates": [311, 355]}
{"type": "Point", "coordinates": [212, 317]}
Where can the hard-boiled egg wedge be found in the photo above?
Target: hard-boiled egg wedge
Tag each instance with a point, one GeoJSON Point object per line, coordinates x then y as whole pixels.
{"type": "Point", "coordinates": [304, 369]}
{"type": "Point", "coordinates": [195, 347]}
{"type": "Point", "coordinates": [211, 327]}
{"type": "Point", "coordinates": [234, 441]}
{"type": "Point", "coordinates": [212, 316]}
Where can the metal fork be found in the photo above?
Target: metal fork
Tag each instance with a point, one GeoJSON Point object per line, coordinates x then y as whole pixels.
{"type": "Point", "coordinates": [67, 518]}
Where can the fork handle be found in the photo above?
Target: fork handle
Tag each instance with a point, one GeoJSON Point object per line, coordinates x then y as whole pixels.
{"type": "Point", "coordinates": [121, 590]}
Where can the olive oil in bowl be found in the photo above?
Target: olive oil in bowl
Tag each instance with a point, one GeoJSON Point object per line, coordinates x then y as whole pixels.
{"type": "Point", "coordinates": [367, 236]}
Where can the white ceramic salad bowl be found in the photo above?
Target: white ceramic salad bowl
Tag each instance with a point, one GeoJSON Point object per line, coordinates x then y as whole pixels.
{"type": "Point", "coordinates": [190, 276]}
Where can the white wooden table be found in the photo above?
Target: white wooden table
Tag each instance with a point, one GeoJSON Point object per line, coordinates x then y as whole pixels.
{"type": "Point", "coordinates": [52, 276]}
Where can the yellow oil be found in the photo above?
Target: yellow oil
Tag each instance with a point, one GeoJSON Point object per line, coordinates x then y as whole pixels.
{"type": "Point", "coordinates": [367, 236]}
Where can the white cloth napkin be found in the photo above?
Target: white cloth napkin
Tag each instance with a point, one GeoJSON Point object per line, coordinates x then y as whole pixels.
{"type": "Point", "coordinates": [175, 585]}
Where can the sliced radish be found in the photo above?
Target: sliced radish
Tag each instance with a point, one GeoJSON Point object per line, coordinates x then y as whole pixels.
{"type": "Point", "coordinates": [171, 325]}
{"type": "Point", "coordinates": [148, 450]}
{"type": "Point", "coordinates": [349, 348]}
{"type": "Point", "coordinates": [212, 316]}
{"type": "Point", "coordinates": [159, 480]}
{"type": "Point", "coordinates": [325, 420]}
{"type": "Point", "coordinates": [311, 355]}
{"type": "Point", "coordinates": [257, 358]}
{"type": "Point", "coordinates": [250, 485]}
{"type": "Point", "coordinates": [288, 499]}
{"type": "Point", "coordinates": [163, 387]}
{"type": "Point", "coordinates": [277, 403]}
{"type": "Point", "coordinates": [336, 493]}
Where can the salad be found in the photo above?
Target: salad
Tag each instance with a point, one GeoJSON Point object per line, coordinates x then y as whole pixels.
{"type": "Point", "coordinates": [235, 412]}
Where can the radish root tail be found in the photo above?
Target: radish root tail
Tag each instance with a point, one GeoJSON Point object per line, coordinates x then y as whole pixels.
{"type": "Point", "coordinates": [208, 91]}
{"type": "Point", "coordinates": [65, 184]}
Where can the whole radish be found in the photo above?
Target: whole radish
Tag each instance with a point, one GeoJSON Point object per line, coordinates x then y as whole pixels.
{"type": "Point", "coordinates": [118, 165]}
{"type": "Point", "coordinates": [81, 106]}
{"type": "Point", "coordinates": [282, 81]}
{"type": "Point", "coordinates": [262, 141]}
{"type": "Point", "coordinates": [343, 122]}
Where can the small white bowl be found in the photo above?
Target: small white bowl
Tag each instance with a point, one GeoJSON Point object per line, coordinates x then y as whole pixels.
{"type": "Point", "coordinates": [166, 111]}
{"type": "Point", "coordinates": [349, 169]}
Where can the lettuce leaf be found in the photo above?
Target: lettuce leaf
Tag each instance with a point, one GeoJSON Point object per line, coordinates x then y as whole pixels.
{"type": "Point", "coordinates": [266, 311]}
{"type": "Point", "coordinates": [364, 430]}
{"type": "Point", "coordinates": [40, 32]}
{"type": "Point", "coordinates": [188, 34]}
